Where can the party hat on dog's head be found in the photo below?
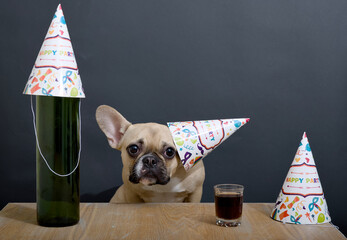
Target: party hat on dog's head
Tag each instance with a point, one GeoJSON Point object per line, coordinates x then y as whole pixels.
{"type": "Point", "coordinates": [194, 140]}
{"type": "Point", "coordinates": [301, 200]}
{"type": "Point", "coordinates": [55, 71]}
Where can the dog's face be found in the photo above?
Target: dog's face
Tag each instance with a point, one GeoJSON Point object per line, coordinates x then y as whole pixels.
{"type": "Point", "coordinates": [148, 154]}
{"type": "Point", "coordinates": [148, 151]}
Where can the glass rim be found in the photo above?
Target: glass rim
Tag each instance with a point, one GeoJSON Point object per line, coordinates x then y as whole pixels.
{"type": "Point", "coordinates": [228, 186]}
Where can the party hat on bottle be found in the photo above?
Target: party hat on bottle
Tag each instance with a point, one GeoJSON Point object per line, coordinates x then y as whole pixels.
{"type": "Point", "coordinates": [301, 200]}
{"type": "Point", "coordinates": [195, 139]}
{"type": "Point", "coordinates": [55, 71]}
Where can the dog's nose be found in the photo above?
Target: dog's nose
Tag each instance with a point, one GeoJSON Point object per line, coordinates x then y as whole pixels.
{"type": "Point", "coordinates": [150, 161]}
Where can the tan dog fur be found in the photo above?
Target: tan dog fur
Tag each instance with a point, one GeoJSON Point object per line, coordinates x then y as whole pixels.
{"type": "Point", "coordinates": [155, 138]}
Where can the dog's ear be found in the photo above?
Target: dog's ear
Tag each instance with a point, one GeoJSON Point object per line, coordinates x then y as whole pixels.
{"type": "Point", "coordinates": [112, 123]}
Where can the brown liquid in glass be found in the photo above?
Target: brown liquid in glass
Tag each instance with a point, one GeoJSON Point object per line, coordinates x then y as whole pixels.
{"type": "Point", "coordinates": [228, 205]}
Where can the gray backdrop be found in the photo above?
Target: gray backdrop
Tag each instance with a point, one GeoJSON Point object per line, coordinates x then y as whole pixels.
{"type": "Point", "coordinates": [281, 63]}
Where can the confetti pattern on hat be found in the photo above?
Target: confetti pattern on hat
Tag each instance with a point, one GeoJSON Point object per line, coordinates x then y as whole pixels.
{"type": "Point", "coordinates": [301, 200]}
{"type": "Point", "coordinates": [55, 72]}
{"type": "Point", "coordinates": [195, 139]}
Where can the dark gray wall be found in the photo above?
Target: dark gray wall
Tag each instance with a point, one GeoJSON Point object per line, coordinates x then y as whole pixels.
{"type": "Point", "coordinates": [282, 63]}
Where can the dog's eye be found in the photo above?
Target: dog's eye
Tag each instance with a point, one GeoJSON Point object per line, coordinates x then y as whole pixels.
{"type": "Point", "coordinates": [133, 150]}
{"type": "Point", "coordinates": [170, 152]}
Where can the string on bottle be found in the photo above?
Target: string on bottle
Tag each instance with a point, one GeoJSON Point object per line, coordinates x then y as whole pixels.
{"type": "Point", "coordinates": [38, 144]}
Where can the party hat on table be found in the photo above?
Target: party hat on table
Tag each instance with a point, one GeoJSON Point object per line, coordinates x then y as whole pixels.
{"type": "Point", "coordinates": [195, 139]}
{"type": "Point", "coordinates": [55, 71]}
{"type": "Point", "coordinates": [301, 200]}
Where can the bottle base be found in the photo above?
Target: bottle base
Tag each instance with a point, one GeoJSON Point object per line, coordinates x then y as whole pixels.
{"type": "Point", "coordinates": [57, 222]}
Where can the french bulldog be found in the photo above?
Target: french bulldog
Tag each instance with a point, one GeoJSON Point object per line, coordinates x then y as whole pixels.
{"type": "Point", "coordinates": [152, 170]}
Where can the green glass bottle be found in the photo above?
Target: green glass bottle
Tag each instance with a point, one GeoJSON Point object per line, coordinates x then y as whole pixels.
{"type": "Point", "coordinates": [58, 133]}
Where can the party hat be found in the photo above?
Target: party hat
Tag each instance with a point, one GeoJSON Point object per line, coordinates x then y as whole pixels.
{"type": "Point", "coordinates": [301, 200]}
{"type": "Point", "coordinates": [55, 71]}
{"type": "Point", "coordinates": [194, 140]}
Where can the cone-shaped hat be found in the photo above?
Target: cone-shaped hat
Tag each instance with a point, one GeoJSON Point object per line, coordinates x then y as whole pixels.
{"type": "Point", "coordinates": [55, 71]}
{"type": "Point", "coordinates": [301, 200]}
{"type": "Point", "coordinates": [194, 140]}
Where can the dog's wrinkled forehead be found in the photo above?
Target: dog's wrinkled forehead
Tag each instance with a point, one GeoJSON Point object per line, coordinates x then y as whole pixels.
{"type": "Point", "coordinates": [152, 135]}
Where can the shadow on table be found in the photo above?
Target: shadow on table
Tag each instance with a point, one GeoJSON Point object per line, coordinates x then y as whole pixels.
{"type": "Point", "coordinates": [21, 213]}
{"type": "Point", "coordinates": [27, 214]}
{"type": "Point", "coordinates": [211, 220]}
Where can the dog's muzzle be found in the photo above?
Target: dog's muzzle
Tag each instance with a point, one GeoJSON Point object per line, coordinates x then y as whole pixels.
{"type": "Point", "coordinates": [149, 168]}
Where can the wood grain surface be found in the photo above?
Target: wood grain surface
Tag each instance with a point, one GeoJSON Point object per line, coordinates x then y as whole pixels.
{"type": "Point", "coordinates": [157, 221]}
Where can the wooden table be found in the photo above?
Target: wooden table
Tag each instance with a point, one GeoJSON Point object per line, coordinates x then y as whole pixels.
{"type": "Point", "coordinates": [177, 221]}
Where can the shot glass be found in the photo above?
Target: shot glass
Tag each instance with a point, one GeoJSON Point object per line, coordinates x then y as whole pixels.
{"type": "Point", "coordinates": [228, 199]}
